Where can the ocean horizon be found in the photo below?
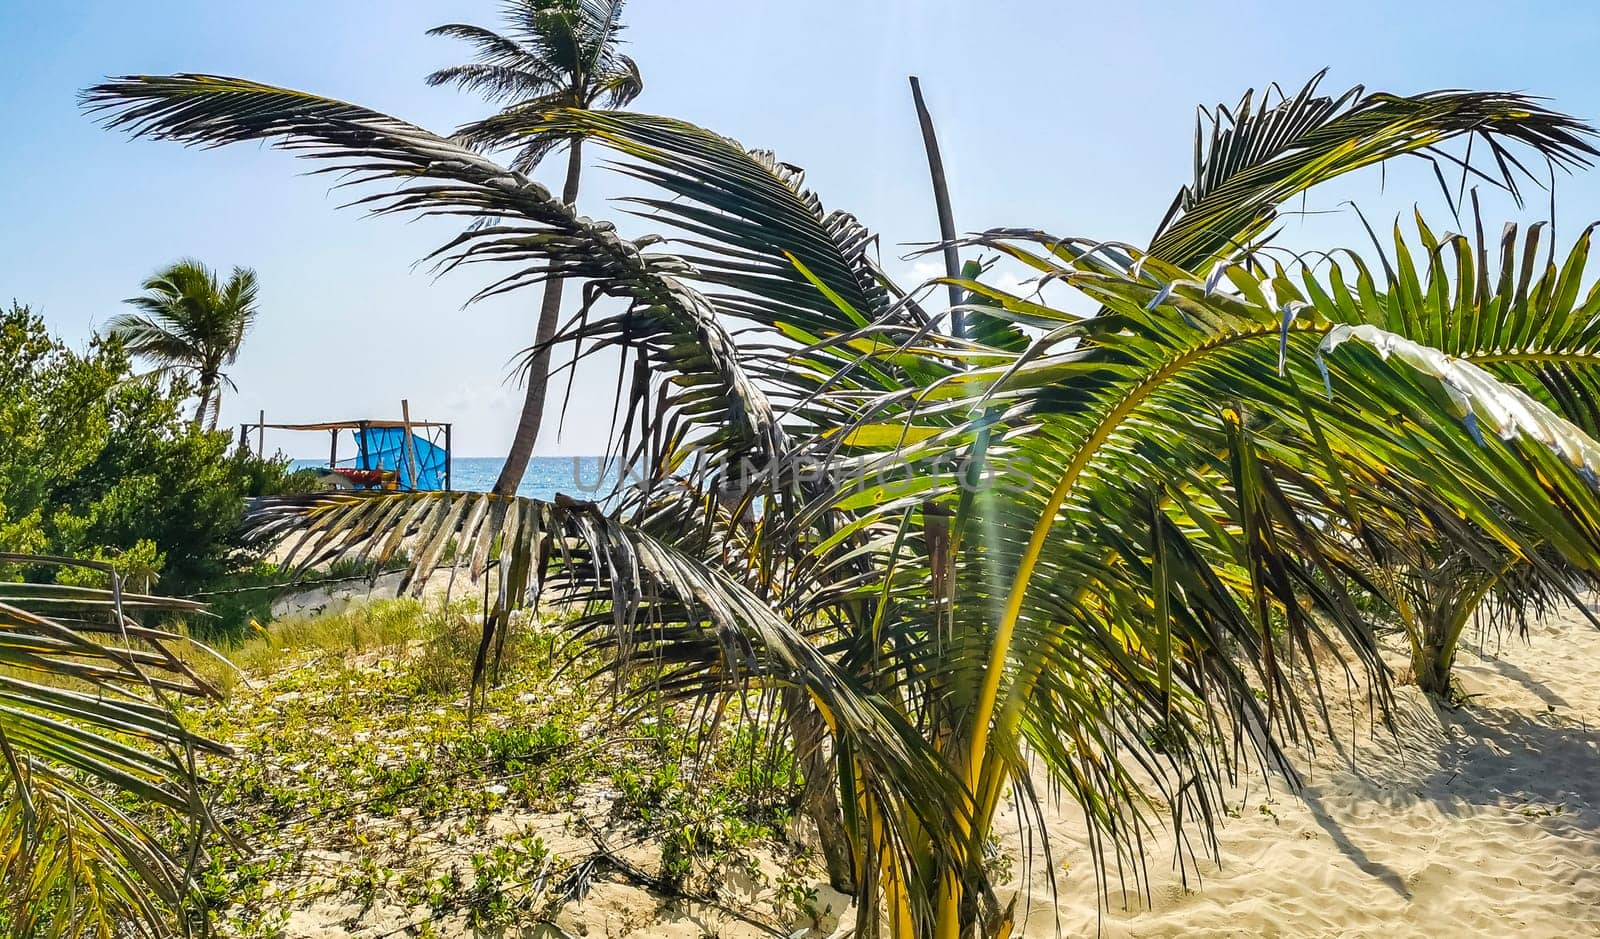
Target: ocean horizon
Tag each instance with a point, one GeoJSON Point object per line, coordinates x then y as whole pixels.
{"type": "Point", "coordinates": [576, 476]}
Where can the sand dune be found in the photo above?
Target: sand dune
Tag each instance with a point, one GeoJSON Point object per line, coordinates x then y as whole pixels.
{"type": "Point", "coordinates": [1481, 821]}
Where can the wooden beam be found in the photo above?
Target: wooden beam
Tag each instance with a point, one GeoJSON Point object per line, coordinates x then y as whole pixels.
{"type": "Point", "coordinates": [349, 425]}
{"type": "Point", "coordinates": [410, 448]}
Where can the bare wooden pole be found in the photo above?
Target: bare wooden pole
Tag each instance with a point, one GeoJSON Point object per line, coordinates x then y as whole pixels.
{"type": "Point", "coordinates": [941, 201]}
{"type": "Point", "coordinates": [410, 448]}
{"type": "Point", "coordinates": [261, 433]}
{"type": "Point", "coordinates": [448, 460]}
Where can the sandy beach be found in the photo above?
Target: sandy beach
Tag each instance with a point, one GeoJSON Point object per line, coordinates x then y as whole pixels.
{"type": "Point", "coordinates": [1482, 820]}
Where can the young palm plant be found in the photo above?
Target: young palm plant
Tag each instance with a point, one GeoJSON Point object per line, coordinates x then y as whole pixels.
{"type": "Point", "coordinates": [554, 54]}
{"type": "Point", "coordinates": [192, 324]}
{"type": "Point", "coordinates": [1181, 538]}
{"type": "Point", "coordinates": [87, 713]}
{"type": "Point", "coordinates": [1532, 326]}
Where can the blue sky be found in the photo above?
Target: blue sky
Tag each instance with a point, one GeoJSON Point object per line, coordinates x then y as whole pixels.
{"type": "Point", "coordinates": [1075, 118]}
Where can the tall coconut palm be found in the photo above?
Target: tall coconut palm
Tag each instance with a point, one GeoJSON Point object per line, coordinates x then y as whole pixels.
{"type": "Point", "coordinates": [192, 325]}
{"type": "Point", "coordinates": [1207, 458]}
{"type": "Point", "coordinates": [554, 54]}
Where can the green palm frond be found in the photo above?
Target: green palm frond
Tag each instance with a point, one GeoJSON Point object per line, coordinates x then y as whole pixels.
{"type": "Point", "coordinates": [555, 54]}
{"type": "Point", "coordinates": [1259, 155]}
{"type": "Point", "coordinates": [768, 254]}
{"type": "Point", "coordinates": [1536, 324]}
{"type": "Point", "coordinates": [1176, 377]}
{"type": "Point", "coordinates": [238, 302]}
{"type": "Point", "coordinates": [529, 229]}
{"type": "Point", "coordinates": [86, 712]}
{"type": "Point", "coordinates": [548, 44]}
{"type": "Point", "coordinates": [750, 216]}
{"type": "Point", "coordinates": [619, 84]}
{"type": "Point", "coordinates": [1532, 325]}
{"type": "Point", "coordinates": [159, 338]}
{"type": "Point", "coordinates": [498, 75]}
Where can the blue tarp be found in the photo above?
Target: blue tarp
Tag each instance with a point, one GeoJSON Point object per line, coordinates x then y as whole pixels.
{"type": "Point", "coordinates": [384, 448]}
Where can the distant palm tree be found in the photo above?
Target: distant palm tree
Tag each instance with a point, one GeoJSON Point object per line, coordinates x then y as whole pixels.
{"type": "Point", "coordinates": [556, 54]}
{"type": "Point", "coordinates": [192, 325]}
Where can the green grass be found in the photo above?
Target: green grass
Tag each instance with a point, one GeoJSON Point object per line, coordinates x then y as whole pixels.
{"type": "Point", "coordinates": [354, 629]}
{"type": "Point", "coordinates": [240, 602]}
{"type": "Point", "coordinates": [360, 777]}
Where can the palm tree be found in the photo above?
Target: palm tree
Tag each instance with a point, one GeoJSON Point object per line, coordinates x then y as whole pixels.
{"type": "Point", "coordinates": [192, 325]}
{"type": "Point", "coordinates": [556, 54]}
{"type": "Point", "coordinates": [1201, 470]}
{"type": "Point", "coordinates": [90, 712]}
{"type": "Point", "coordinates": [1530, 326]}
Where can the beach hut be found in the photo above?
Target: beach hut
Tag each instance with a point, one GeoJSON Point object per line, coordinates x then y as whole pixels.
{"type": "Point", "coordinates": [396, 455]}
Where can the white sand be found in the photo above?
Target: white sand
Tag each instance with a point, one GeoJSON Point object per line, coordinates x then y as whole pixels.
{"type": "Point", "coordinates": [1479, 821]}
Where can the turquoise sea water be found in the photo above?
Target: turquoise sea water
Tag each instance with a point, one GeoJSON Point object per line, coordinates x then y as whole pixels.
{"type": "Point", "coordinates": [576, 476]}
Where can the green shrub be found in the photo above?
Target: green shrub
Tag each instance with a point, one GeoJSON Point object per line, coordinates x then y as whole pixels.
{"type": "Point", "coordinates": [97, 462]}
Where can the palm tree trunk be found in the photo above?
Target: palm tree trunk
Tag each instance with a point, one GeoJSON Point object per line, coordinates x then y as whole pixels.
{"type": "Point", "coordinates": [200, 408]}
{"type": "Point", "coordinates": [214, 409]}
{"type": "Point", "coordinates": [539, 370]}
{"type": "Point", "coordinates": [1430, 664]}
{"type": "Point", "coordinates": [820, 798]}
{"type": "Point", "coordinates": [941, 201]}
{"type": "Point", "coordinates": [1433, 653]}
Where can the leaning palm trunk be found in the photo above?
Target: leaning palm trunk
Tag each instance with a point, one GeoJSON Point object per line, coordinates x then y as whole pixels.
{"type": "Point", "coordinates": [202, 400]}
{"type": "Point", "coordinates": [538, 378]}
{"type": "Point", "coordinates": [820, 799]}
{"type": "Point", "coordinates": [556, 54]}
